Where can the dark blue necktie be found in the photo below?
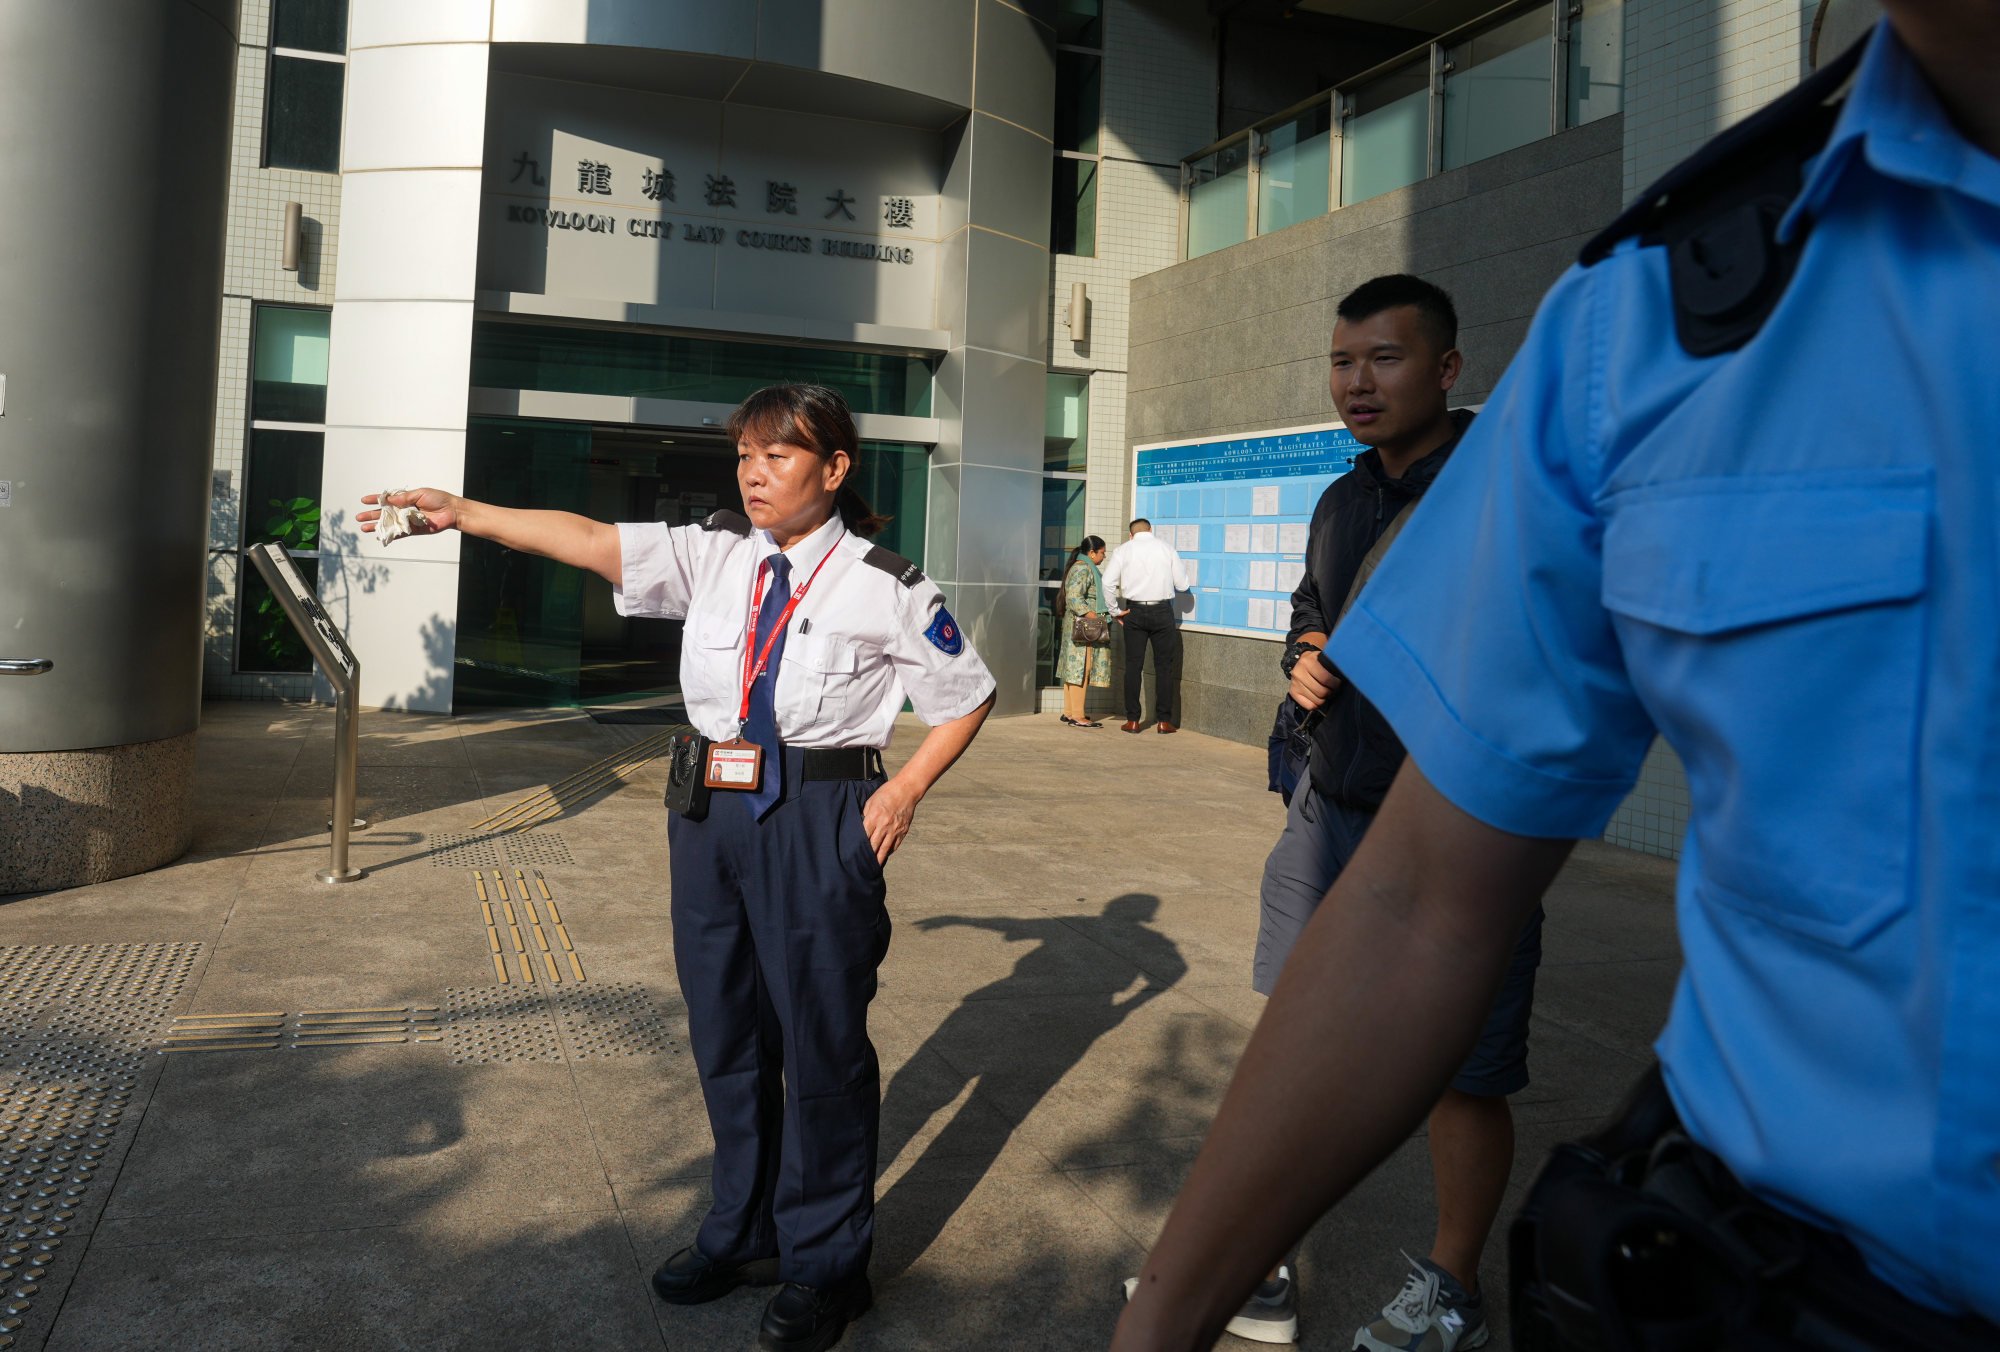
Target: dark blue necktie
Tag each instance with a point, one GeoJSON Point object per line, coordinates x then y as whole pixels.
{"type": "Point", "coordinates": [762, 725]}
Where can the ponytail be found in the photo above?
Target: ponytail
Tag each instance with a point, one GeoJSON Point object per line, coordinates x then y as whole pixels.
{"type": "Point", "coordinates": [854, 510]}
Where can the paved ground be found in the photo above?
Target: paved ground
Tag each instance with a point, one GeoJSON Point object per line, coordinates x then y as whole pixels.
{"type": "Point", "coordinates": [1063, 1001]}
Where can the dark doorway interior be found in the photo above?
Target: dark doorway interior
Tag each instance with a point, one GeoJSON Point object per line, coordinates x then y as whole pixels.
{"type": "Point", "coordinates": [532, 632]}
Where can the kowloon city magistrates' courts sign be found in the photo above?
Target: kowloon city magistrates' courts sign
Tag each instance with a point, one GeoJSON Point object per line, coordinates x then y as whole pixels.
{"type": "Point", "coordinates": [606, 194]}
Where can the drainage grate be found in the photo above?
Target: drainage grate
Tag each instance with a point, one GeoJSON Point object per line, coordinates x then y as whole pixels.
{"type": "Point", "coordinates": [455, 850]}
{"type": "Point", "coordinates": [487, 1024]}
{"type": "Point", "coordinates": [617, 1019]}
{"type": "Point", "coordinates": [75, 1020]}
{"type": "Point", "coordinates": [538, 847]}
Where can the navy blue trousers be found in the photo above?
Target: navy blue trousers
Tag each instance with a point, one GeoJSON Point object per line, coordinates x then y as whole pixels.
{"type": "Point", "coordinates": [778, 929]}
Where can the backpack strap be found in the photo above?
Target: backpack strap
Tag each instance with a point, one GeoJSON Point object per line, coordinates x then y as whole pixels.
{"type": "Point", "coordinates": [1717, 213]}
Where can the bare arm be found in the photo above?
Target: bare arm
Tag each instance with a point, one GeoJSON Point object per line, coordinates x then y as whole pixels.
{"type": "Point", "coordinates": [891, 807]}
{"type": "Point", "coordinates": [1447, 896]}
{"type": "Point", "coordinates": [562, 536]}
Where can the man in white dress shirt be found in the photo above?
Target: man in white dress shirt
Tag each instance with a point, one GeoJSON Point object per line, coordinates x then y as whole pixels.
{"type": "Point", "coordinates": [1141, 580]}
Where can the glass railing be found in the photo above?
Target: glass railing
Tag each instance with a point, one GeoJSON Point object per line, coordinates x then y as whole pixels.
{"type": "Point", "coordinates": [1217, 194]}
{"type": "Point", "coordinates": [1522, 72]}
{"type": "Point", "coordinates": [1292, 173]}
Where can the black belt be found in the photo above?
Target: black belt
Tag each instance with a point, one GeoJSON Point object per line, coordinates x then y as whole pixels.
{"type": "Point", "coordinates": [837, 762]}
{"type": "Point", "coordinates": [1130, 602]}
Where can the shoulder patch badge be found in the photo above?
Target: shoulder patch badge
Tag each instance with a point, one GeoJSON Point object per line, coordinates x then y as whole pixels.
{"type": "Point", "coordinates": [944, 633]}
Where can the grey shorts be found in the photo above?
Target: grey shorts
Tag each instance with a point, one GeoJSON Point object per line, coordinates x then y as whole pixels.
{"type": "Point", "coordinates": [1318, 840]}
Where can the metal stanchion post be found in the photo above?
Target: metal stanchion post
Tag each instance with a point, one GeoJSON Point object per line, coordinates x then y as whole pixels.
{"type": "Point", "coordinates": [342, 670]}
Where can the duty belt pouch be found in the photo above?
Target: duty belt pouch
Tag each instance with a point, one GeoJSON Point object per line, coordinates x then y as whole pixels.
{"type": "Point", "coordinates": [687, 789]}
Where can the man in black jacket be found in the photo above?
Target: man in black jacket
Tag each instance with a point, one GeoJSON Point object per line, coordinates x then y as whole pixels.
{"type": "Point", "coordinates": [1394, 361]}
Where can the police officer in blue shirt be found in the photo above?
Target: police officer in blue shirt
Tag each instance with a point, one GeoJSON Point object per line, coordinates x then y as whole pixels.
{"type": "Point", "coordinates": [1739, 487]}
{"type": "Point", "coordinates": [802, 642]}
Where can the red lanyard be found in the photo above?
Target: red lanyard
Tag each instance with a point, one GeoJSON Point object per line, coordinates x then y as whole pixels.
{"type": "Point", "coordinates": [751, 674]}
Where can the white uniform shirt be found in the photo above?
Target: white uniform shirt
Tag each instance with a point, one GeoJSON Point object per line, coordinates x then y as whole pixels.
{"type": "Point", "coordinates": [1146, 568]}
{"type": "Point", "coordinates": [859, 642]}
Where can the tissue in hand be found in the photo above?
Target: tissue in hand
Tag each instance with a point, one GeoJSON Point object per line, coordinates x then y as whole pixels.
{"type": "Point", "coordinates": [397, 522]}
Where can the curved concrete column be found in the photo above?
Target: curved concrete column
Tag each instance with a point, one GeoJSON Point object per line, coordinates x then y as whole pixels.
{"type": "Point", "coordinates": [110, 293]}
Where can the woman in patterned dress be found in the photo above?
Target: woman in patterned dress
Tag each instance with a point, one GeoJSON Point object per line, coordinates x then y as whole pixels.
{"type": "Point", "coordinates": [1083, 665]}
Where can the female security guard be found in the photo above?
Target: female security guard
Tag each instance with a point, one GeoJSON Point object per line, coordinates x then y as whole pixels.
{"type": "Point", "coordinates": [802, 641]}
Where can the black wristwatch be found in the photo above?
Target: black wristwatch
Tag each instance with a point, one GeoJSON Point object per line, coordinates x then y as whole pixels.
{"type": "Point", "coordinates": [1293, 652]}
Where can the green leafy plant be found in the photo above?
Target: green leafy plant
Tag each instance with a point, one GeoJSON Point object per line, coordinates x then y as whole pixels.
{"type": "Point", "coordinates": [296, 525]}
{"type": "Point", "coordinates": [275, 645]}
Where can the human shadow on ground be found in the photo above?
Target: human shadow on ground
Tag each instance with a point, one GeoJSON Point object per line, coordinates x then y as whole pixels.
{"type": "Point", "coordinates": [1010, 1068]}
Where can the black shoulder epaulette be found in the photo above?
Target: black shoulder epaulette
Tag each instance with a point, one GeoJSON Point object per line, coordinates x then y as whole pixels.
{"type": "Point", "coordinates": [894, 564]}
{"type": "Point", "coordinates": [1717, 213]}
{"type": "Point", "coordinates": [723, 519]}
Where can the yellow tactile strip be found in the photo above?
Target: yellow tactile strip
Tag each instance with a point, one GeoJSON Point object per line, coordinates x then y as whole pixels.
{"type": "Point", "coordinates": [514, 952]}
{"type": "Point", "coordinates": [268, 1030]}
{"type": "Point", "coordinates": [551, 803]}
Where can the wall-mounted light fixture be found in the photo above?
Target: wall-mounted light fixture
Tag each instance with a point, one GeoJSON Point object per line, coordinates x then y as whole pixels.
{"type": "Point", "coordinates": [1077, 317]}
{"type": "Point", "coordinates": [289, 243]}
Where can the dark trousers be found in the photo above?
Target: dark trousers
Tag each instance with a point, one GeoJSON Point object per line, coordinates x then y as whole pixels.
{"type": "Point", "coordinates": [1153, 623]}
{"type": "Point", "coordinates": [778, 929]}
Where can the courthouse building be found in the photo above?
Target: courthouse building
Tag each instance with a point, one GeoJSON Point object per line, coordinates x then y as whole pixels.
{"type": "Point", "coordinates": [536, 251]}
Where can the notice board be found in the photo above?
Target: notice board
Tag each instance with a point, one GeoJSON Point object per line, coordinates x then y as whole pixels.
{"type": "Point", "coordinates": [1238, 508]}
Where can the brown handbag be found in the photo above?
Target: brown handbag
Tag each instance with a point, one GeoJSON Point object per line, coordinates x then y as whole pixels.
{"type": "Point", "coordinates": [1090, 631]}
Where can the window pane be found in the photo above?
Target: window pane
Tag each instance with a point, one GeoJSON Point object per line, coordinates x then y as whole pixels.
{"type": "Point", "coordinates": [281, 495]}
{"type": "Point", "coordinates": [895, 481]}
{"type": "Point", "coordinates": [1292, 179]}
{"type": "Point", "coordinates": [288, 365]}
{"type": "Point", "coordinates": [1078, 76]}
{"type": "Point", "coordinates": [1073, 229]}
{"type": "Point", "coordinates": [665, 366]}
{"type": "Point", "coordinates": [265, 639]}
{"type": "Point", "coordinates": [310, 25]}
{"type": "Point", "coordinates": [1496, 95]}
{"type": "Point", "coordinates": [1066, 440]}
{"type": "Point", "coordinates": [1080, 22]}
{"type": "Point", "coordinates": [1384, 141]}
{"type": "Point", "coordinates": [1597, 61]}
{"type": "Point", "coordinates": [1219, 199]}
{"type": "Point", "coordinates": [303, 114]}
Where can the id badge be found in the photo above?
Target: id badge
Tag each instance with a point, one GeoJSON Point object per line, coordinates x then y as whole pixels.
{"type": "Point", "coordinates": [734, 764]}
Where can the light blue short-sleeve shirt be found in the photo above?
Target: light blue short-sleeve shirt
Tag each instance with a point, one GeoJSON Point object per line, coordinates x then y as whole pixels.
{"type": "Point", "coordinates": [1786, 560]}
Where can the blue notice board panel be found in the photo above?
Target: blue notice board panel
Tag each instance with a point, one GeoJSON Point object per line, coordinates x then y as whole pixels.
{"type": "Point", "coordinates": [1238, 510]}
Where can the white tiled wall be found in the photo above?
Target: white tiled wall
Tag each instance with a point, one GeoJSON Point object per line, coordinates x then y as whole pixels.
{"type": "Point", "coordinates": [251, 273]}
{"type": "Point", "coordinates": [1693, 67]}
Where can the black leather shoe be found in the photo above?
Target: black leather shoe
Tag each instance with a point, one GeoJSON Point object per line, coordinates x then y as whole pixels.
{"type": "Point", "coordinates": [691, 1277]}
{"type": "Point", "coordinates": [812, 1318]}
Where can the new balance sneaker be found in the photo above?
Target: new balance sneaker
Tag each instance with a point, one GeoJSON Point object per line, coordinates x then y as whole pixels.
{"type": "Point", "coordinates": [1432, 1313]}
{"type": "Point", "coordinates": [1271, 1315]}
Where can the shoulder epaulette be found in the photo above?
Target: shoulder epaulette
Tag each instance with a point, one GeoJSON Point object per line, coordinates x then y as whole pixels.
{"type": "Point", "coordinates": [1717, 213]}
{"type": "Point", "coordinates": [723, 519]}
{"type": "Point", "coordinates": [894, 564]}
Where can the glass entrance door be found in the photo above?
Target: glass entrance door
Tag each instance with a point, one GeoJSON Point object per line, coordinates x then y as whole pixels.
{"type": "Point", "coordinates": [532, 632]}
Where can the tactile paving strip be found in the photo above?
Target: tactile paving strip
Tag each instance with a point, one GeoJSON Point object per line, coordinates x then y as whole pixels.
{"type": "Point", "coordinates": [75, 1021]}
{"type": "Point", "coordinates": [452, 849]}
{"type": "Point", "coordinates": [611, 1019]}
{"type": "Point", "coordinates": [546, 848]}
{"type": "Point", "coordinates": [488, 1024]}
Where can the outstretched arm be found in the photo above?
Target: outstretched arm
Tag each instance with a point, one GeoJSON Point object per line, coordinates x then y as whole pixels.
{"type": "Point", "coordinates": [1446, 896]}
{"type": "Point", "coordinates": [562, 536]}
